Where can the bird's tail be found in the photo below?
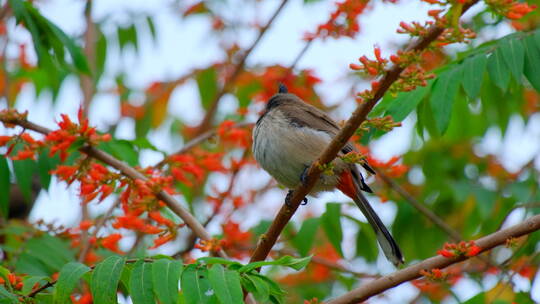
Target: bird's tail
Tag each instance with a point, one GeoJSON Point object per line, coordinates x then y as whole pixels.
{"type": "Point", "coordinates": [388, 244]}
{"type": "Point", "coordinates": [352, 185]}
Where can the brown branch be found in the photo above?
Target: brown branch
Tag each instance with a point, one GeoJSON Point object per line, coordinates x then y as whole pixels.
{"type": "Point", "coordinates": [267, 241]}
{"type": "Point", "coordinates": [130, 172]}
{"type": "Point", "coordinates": [207, 120]}
{"type": "Point", "coordinates": [412, 272]}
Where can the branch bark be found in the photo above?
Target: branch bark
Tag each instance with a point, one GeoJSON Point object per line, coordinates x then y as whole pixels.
{"type": "Point", "coordinates": [267, 241]}
{"type": "Point", "coordinates": [412, 272]}
{"type": "Point", "coordinates": [130, 172]}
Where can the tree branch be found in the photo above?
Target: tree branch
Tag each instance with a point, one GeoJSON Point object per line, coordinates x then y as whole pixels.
{"type": "Point", "coordinates": [267, 241]}
{"type": "Point", "coordinates": [412, 272]}
{"type": "Point", "coordinates": [130, 172]}
{"type": "Point", "coordinates": [207, 120]}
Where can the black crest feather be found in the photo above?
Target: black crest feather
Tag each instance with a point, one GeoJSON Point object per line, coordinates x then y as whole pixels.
{"type": "Point", "coordinates": [282, 88]}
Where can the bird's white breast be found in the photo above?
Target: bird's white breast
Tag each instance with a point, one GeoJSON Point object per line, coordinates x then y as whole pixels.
{"type": "Point", "coordinates": [284, 150]}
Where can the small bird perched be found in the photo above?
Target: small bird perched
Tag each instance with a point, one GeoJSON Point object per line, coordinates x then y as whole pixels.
{"type": "Point", "coordinates": [290, 135]}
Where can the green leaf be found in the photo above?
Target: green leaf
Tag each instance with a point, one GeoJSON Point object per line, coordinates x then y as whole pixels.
{"type": "Point", "coordinates": [127, 36]}
{"type": "Point", "coordinates": [261, 289]}
{"type": "Point", "coordinates": [478, 299]}
{"type": "Point", "coordinates": [45, 165]}
{"type": "Point", "coordinates": [51, 251]}
{"type": "Point", "coordinates": [24, 171]}
{"type": "Point", "coordinates": [294, 263]}
{"type": "Point", "coordinates": [105, 280]}
{"type": "Point", "coordinates": [208, 86]}
{"type": "Point", "coordinates": [101, 54]}
{"type": "Point", "coordinates": [140, 285]}
{"type": "Point", "coordinates": [195, 285]}
{"type": "Point", "coordinates": [406, 102]}
{"type": "Point", "coordinates": [69, 276]}
{"type": "Point", "coordinates": [226, 284]}
{"type": "Point", "coordinates": [122, 149]}
{"type": "Point", "coordinates": [331, 224]}
{"type": "Point", "coordinates": [7, 297]}
{"type": "Point", "coordinates": [151, 27]}
{"type": "Point", "coordinates": [366, 243]}
{"type": "Point", "coordinates": [532, 62]}
{"type": "Point", "coordinates": [442, 98]}
{"type": "Point", "coordinates": [473, 74]}
{"type": "Point", "coordinates": [382, 105]}
{"type": "Point", "coordinates": [217, 260]}
{"type": "Point", "coordinates": [303, 240]}
{"type": "Point", "coordinates": [5, 185]}
{"type": "Point", "coordinates": [165, 274]}
{"type": "Point", "coordinates": [76, 53]}
{"type": "Point", "coordinates": [498, 72]}
{"type": "Point", "coordinates": [513, 54]}
{"type": "Point", "coordinates": [30, 282]}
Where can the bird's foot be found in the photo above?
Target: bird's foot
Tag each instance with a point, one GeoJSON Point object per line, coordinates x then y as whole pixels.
{"type": "Point", "coordinates": [289, 196]}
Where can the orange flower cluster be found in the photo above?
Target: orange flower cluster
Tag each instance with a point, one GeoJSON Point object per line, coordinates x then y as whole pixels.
{"type": "Point", "coordinates": [14, 281]}
{"type": "Point", "coordinates": [94, 178]}
{"type": "Point", "coordinates": [463, 248]}
{"type": "Point", "coordinates": [385, 123]}
{"type": "Point", "coordinates": [30, 149]}
{"type": "Point", "coordinates": [390, 167]}
{"type": "Point", "coordinates": [511, 9]}
{"type": "Point", "coordinates": [434, 274]}
{"type": "Point", "coordinates": [212, 245]}
{"type": "Point", "coordinates": [343, 21]}
{"type": "Point", "coordinates": [230, 134]}
{"type": "Point", "coordinates": [69, 132]}
{"type": "Point", "coordinates": [372, 67]}
{"type": "Point", "coordinates": [436, 282]}
{"type": "Point", "coordinates": [138, 198]}
{"type": "Point", "coordinates": [299, 83]}
{"type": "Point", "coordinates": [235, 240]}
{"type": "Point", "coordinates": [187, 168]}
{"type": "Point", "coordinates": [111, 242]}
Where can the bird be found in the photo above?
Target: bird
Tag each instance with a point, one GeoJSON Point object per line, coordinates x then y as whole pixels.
{"type": "Point", "coordinates": [290, 135]}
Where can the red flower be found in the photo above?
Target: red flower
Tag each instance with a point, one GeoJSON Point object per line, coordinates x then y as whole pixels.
{"type": "Point", "coordinates": [4, 140]}
{"type": "Point", "coordinates": [111, 242]}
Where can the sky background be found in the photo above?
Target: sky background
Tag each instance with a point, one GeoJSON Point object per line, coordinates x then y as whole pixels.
{"type": "Point", "coordinates": [185, 44]}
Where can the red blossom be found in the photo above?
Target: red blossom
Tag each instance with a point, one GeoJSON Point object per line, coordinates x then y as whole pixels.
{"type": "Point", "coordinates": [342, 22]}
{"type": "Point", "coordinates": [163, 240]}
{"type": "Point", "coordinates": [111, 242]}
{"type": "Point", "coordinates": [4, 140]}
{"type": "Point", "coordinates": [463, 248]}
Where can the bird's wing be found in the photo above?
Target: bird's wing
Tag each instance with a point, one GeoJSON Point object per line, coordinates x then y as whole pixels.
{"type": "Point", "coordinates": [306, 115]}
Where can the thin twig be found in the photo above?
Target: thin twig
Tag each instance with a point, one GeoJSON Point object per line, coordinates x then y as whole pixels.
{"type": "Point", "coordinates": [130, 172]}
{"type": "Point", "coordinates": [99, 224]}
{"type": "Point", "coordinates": [412, 272]}
{"type": "Point", "coordinates": [419, 206]}
{"type": "Point", "coordinates": [207, 120]}
{"type": "Point", "coordinates": [267, 241]}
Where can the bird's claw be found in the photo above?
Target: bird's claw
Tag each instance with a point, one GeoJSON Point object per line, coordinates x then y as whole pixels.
{"type": "Point", "coordinates": [288, 199]}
